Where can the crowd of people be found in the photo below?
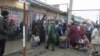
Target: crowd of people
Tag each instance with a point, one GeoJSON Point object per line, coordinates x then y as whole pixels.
{"type": "Point", "coordinates": [84, 35]}
{"type": "Point", "coordinates": [43, 28]}
{"type": "Point", "coordinates": [53, 32]}
{"type": "Point", "coordinates": [78, 35]}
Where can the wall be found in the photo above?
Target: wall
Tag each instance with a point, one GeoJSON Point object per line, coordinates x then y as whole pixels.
{"type": "Point", "coordinates": [13, 3]}
{"type": "Point", "coordinates": [50, 14]}
{"type": "Point", "coordinates": [39, 10]}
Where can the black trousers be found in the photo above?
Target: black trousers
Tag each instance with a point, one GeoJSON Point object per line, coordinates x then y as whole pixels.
{"type": "Point", "coordinates": [89, 36]}
{"type": "Point", "coordinates": [57, 41]}
{"type": "Point", "coordinates": [2, 46]}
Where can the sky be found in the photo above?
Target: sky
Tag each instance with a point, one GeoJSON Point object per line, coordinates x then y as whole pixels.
{"type": "Point", "coordinates": [80, 5]}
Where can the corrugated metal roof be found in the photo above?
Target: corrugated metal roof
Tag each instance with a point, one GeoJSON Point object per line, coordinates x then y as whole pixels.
{"type": "Point", "coordinates": [39, 3]}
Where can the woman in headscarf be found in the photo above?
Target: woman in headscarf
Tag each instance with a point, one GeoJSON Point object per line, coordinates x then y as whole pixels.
{"type": "Point", "coordinates": [74, 36]}
{"type": "Point", "coordinates": [95, 40]}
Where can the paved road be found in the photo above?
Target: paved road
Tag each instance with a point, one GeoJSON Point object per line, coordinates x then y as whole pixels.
{"type": "Point", "coordinates": [40, 51]}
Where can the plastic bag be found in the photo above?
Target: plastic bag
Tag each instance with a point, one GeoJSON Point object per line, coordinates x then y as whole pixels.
{"type": "Point", "coordinates": [62, 38]}
{"type": "Point", "coordinates": [36, 39]}
{"type": "Point", "coordinates": [81, 41]}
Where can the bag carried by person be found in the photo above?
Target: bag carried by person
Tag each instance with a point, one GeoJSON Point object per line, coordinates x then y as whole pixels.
{"type": "Point", "coordinates": [81, 41]}
{"type": "Point", "coordinates": [36, 39]}
{"type": "Point", "coordinates": [62, 43]}
{"type": "Point", "coordinates": [86, 40]}
{"type": "Point", "coordinates": [62, 38]}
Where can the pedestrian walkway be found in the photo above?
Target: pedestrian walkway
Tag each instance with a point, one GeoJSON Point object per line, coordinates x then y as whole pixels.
{"type": "Point", "coordinates": [41, 51]}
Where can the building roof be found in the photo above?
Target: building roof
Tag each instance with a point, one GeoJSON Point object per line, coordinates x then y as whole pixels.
{"type": "Point", "coordinates": [78, 19]}
{"type": "Point", "coordinates": [45, 5]}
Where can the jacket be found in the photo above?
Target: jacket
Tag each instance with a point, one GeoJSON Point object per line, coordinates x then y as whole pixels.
{"type": "Point", "coordinates": [82, 31]}
{"type": "Point", "coordinates": [3, 28]}
{"type": "Point", "coordinates": [51, 33]}
{"type": "Point", "coordinates": [73, 34]}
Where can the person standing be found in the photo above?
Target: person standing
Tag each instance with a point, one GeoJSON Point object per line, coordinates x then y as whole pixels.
{"type": "Point", "coordinates": [64, 27]}
{"type": "Point", "coordinates": [3, 30]}
{"type": "Point", "coordinates": [11, 28]}
{"type": "Point", "coordinates": [51, 35]}
{"type": "Point", "coordinates": [74, 36]}
{"type": "Point", "coordinates": [59, 31]}
{"type": "Point", "coordinates": [82, 34]}
{"type": "Point", "coordinates": [89, 28]}
{"type": "Point", "coordinates": [95, 40]}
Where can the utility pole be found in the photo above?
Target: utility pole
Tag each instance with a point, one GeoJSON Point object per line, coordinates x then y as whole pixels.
{"type": "Point", "coordinates": [24, 27]}
{"type": "Point", "coordinates": [99, 17]}
{"type": "Point", "coordinates": [45, 1]}
{"type": "Point", "coordinates": [99, 23]}
{"type": "Point", "coordinates": [69, 19]}
{"type": "Point", "coordinates": [70, 12]}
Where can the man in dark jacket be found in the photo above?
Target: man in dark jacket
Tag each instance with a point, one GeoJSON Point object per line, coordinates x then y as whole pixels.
{"type": "Point", "coordinates": [3, 30]}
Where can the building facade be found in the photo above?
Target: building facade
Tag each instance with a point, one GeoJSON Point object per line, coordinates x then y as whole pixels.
{"type": "Point", "coordinates": [35, 10]}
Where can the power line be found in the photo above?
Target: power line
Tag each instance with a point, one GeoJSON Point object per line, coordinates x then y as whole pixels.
{"type": "Point", "coordinates": [62, 4]}
{"type": "Point", "coordinates": [87, 10]}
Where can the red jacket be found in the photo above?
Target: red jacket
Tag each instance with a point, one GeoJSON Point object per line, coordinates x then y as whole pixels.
{"type": "Point", "coordinates": [74, 33]}
{"type": "Point", "coordinates": [82, 31]}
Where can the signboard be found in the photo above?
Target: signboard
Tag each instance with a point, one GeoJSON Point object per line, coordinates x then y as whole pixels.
{"type": "Point", "coordinates": [14, 18]}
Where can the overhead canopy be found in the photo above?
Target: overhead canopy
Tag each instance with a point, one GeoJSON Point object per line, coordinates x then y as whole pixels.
{"type": "Point", "coordinates": [44, 5]}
